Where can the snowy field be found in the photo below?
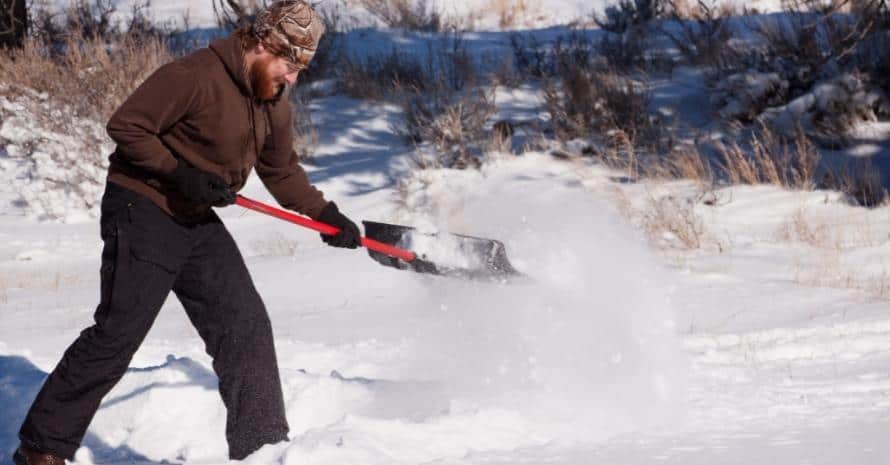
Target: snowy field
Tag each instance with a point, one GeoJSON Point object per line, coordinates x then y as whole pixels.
{"type": "Point", "coordinates": [768, 344]}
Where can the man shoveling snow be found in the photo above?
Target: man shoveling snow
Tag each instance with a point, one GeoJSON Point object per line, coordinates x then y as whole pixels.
{"type": "Point", "coordinates": [187, 140]}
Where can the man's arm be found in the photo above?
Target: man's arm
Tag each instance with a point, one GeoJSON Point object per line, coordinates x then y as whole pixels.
{"type": "Point", "coordinates": [162, 100]}
{"type": "Point", "coordinates": [279, 167]}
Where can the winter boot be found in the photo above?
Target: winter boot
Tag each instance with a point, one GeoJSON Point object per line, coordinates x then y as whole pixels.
{"type": "Point", "coordinates": [25, 456]}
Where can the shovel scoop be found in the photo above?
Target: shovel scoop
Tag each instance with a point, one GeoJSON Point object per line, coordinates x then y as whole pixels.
{"type": "Point", "coordinates": [441, 253]}
{"type": "Point", "coordinates": [407, 248]}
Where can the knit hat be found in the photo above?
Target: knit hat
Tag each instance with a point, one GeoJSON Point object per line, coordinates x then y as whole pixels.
{"type": "Point", "coordinates": [290, 28]}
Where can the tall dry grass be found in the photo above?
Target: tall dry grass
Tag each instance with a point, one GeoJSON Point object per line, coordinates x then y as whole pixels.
{"type": "Point", "coordinates": [91, 76]}
{"type": "Point", "coordinates": [769, 159]}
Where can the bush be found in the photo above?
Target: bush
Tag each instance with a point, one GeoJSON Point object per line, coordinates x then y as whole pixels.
{"type": "Point", "coordinates": [92, 19]}
{"type": "Point", "coordinates": [626, 25]}
{"type": "Point", "coordinates": [453, 123]}
{"type": "Point", "coordinates": [859, 179]}
{"type": "Point", "coordinates": [630, 14]}
{"type": "Point", "coordinates": [828, 112]}
{"type": "Point", "coordinates": [91, 76]}
{"type": "Point", "coordinates": [531, 58]}
{"type": "Point", "coordinates": [805, 74]}
{"type": "Point", "coordinates": [582, 103]}
{"type": "Point", "coordinates": [446, 63]}
{"type": "Point", "coordinates": [624, 51]}
{"type": "Point", "coordinates": [702, 34]}
{"type": "Point", "coordinates": [405, 14]}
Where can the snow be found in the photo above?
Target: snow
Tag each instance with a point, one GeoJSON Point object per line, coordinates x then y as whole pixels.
{"type": "Point", "coordinates": [59, 165]}
{"type": "Point", "coordinates": [769, 343]}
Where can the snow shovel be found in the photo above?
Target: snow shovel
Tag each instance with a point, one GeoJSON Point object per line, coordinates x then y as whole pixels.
{"type": "Point", "coordinates": [390, 245]}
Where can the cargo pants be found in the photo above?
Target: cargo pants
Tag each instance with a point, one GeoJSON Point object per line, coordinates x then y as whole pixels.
{"type": "Point", "coordinates": [147, 254]}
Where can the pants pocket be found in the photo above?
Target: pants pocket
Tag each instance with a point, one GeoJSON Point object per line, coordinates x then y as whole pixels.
{"type": "Point", "coordinates": [154, 237]}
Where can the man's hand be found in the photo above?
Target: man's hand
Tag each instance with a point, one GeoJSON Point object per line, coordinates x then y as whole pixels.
{"type": "Point", "coordinates": [201, 187]}
{"type": "Point", "coordinates": [349, 236]}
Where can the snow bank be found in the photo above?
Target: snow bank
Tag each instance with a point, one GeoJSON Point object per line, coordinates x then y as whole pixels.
{"type": "Point", "coordinates": [60, 161]}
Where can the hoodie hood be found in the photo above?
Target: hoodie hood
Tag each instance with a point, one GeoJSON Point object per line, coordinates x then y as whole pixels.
{"type": "Point", "coordinates": [230, 52]}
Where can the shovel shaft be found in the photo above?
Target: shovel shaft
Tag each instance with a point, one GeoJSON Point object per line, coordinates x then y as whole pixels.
{"type": "Point", "coordinates": [323, 228]}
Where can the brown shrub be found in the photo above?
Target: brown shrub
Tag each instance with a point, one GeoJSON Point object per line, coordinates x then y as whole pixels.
{"type": "Point", "coordinates": [703, 34]}
{"type": "Point", "coordinates": [859, 179]}
{"type": "Point", "coordinates": [405, 14]}
{"type": "Point", "coordinates": [582, 102]}
{"type": "Point", "coordinates": [453, 123]}
{"type": "Point", "coordinates": [446, 64]}
{"type": "Point", "coordinates": [92, 77]}
{"type": "Point", "coordinates": [769, 159]}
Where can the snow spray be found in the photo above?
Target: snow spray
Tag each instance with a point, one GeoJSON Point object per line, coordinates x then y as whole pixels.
{"type": "Point", "coordinates": [586, 342]}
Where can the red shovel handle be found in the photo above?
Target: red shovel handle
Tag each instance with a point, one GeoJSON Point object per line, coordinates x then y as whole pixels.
{"type": "Point", "coordinates": [323, 228]}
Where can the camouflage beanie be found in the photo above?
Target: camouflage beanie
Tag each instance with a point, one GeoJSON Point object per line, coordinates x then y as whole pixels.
{"type": "Point", "coordinates": [290, 28]}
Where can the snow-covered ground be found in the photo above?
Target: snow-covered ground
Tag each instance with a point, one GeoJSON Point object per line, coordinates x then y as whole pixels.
{"type": "Point", "coordinates": [608, 352]}
{"type": "Point", "coordinates": [768, 343]}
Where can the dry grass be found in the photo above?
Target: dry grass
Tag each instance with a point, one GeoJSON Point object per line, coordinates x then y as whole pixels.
{"type": "Point", "coordinates": [670, 223]}
{"type": "Point", "coordinates": [454, 124]}
{"type": "Point", "coordinates": [805, 228]}
{"type": "Point", "coordinates": [684, 162]}
{"type": "Point", "coordinates": [772, 160]}
{"type": "Point", "coordinates": [828, 270]}
{"type": "Point", "coordinates": [416, 15]}
{"type": "Point", "coordinates": [584, 102]}
{"type": "Point", "coordinates": [92, 77]}
{"type": "Point", "coordinates": [673, 223]}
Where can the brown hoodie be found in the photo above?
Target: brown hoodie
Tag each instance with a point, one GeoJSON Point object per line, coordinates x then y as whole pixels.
{"type": "Point", "coordinates": [201, 108]}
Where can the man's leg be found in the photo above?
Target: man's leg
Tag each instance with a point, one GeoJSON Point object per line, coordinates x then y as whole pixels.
{"type": "Point", "coordinates": [135, 280]}
{"type": "Point", "coordinates": [220, 299]}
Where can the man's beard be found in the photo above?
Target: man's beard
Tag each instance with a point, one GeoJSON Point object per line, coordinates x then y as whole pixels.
{"type": "Point", "coordinates": [265, 87]}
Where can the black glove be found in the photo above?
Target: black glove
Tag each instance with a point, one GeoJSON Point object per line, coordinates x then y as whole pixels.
{"type": "Point", "coordinates": [349, 236]}
{"type": "Point", "coordinates": [200, 186]}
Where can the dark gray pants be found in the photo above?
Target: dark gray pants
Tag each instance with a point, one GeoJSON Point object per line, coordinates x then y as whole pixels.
{"type": "Point", "coordinates": [147, 254]}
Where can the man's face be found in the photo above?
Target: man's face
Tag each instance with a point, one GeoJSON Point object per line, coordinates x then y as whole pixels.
{"type": "Point", "coordinates": [269, 75]}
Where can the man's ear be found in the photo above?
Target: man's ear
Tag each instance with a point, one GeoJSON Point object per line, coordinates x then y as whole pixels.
{"type": "Point", "coordinates": [259, 48]}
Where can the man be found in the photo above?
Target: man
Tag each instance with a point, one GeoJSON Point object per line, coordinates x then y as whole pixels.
{"type": "Point", "coordinates": [187, 139]}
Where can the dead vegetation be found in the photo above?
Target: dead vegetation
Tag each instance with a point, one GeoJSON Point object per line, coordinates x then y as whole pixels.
{"type": "Point", "coordinates": [701, 33]}
{"type": "Point", "coordinates": [81, 60]}
{"type": "Point", "coordinates": [417, 15]}
{"type": "Point", "coordinates": [90, 76]}
{"type": "Point", "coordinates": [444, 63]}
{"type": "Point", "coordinates": [859, 179]}
{"type": "Point", "coordinates": [454, 123]}
{"type": "Point", "coordinates": [770, 159]}
{"type": "Point", "coordinates": [673, 223]}
{"type": "Point", "coordinates": [816, 67]}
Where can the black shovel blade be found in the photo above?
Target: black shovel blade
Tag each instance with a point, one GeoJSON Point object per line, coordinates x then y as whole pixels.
{"type": "Point", "coordinates": [442, 254]}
